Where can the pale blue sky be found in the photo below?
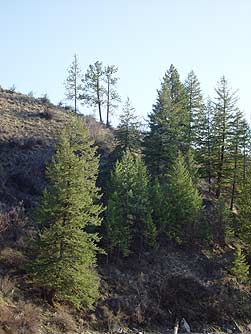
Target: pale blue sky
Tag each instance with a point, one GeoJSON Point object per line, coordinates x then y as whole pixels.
{"type": "Point", "coordinates": [143, 37]}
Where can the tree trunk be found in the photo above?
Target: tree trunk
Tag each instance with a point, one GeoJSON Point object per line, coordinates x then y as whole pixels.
{"type": "Point", "coordinates": [234, 180]}
{"type": "Point", "coordinates": [99, 102]}
{"type": "Point", "coordinates": [108, 103]}
{"type": "Point", "coordinates": [75, 87]}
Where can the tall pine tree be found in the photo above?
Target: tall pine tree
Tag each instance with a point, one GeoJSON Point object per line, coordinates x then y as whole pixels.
{"type": "Point", "coordinates": [73, 84]}
{"type": "Point", "coordinates": [169, 125]}
{"type": "Point", "coordinates": [128, 130]}
{"type": "Point", "coordinates": [184, 203]}
{"type": "Point", "coordinates": [129, 223]}
{"type": "Point", "coordinates": [225, 106]}
{"type": "Point", "coordinates": [194, 105]}
{"type": "Point", "coordinates": [64, 253]}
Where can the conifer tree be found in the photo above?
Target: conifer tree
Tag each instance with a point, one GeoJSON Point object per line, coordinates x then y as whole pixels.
{"type": "Point", "coordinates": [158, 200]}
{"type": "Point", "coordinates": [128, 131]}
{"type": "Point", "coordinates": [238, 133]}
{"type": "Point", "coordinates": [244, 211]}
{"type": "Point", "coordinates": [225, 106]}
{"type": "Point", "coordinates": [169, 125]}
{"type": "Point", "coordinates": [246, 149]}
{"type": "Point", "coordinates": [194, 105]}
{"type": "Point", "coordinates": [112, 96]}
{"type": "Point", "coordinates": [240, 267]}
{"type": "Point", "coordinates": [129, 223]}
{"type": "Point", "coordinates": [191, 166]}
{"type": "Point", "coordinates": [64, 254]}
{"type": "Point", "coordinates": [204, 143]}
{"type": "Point", "coordinates": [94, 88]}
{"type": "Point", "coordinates": [184, 203]}
{"type": "Point", "coordinates": [73, 82]}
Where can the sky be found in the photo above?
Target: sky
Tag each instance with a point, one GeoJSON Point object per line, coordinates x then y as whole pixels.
{"type": "Point", "coordinates": [142, 37]}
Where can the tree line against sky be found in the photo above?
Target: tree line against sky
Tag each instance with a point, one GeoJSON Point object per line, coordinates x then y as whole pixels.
{"type": "Point", "coordinates": [186, 180]}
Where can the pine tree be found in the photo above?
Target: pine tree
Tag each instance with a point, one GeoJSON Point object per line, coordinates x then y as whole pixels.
{"type": "Point", "coordinates": [184, 203]}
{"type": "Point", "coordinates": [112, 96]}
{"type": "Point", "coordinates": [191, 166]}
{"type": "Point", "coordinates": [246, 149]}
{"type": "Point", "coordinates": [129, 223]}
{"type": "Point", "coordinates": [128, 131]}
{"type": "Point", "coordinates": [94, 89]}
{"type": "Point", "coordinates": [240, 267]}
{"type": "Point", "coordinates": [158, 200]}
{"type": "Point", "coordinates": [169, 125]}
{"type": "Point", "coordinates": [194, 105]}
{"type": "Point", "coordinates": [244, 211]}
{"type": "Point", "coordinates": [73, 82]}
{"type": "Point", "coordinates": [237, 146]}
{"type": "Point", "coordinates": [225, 106]}
{"type": "Point", "coordinates": [64, 254]}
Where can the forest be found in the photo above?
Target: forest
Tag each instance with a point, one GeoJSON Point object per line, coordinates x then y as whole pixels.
{"type": "Point", "coordinates": [185, 179]}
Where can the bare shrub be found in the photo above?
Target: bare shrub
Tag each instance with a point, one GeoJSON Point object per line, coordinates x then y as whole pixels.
{"type": "Point", "coordinates": [3, 222]}
{"type": "Point", "coordinates": [92, 125]}
{"type": "Point", "coordinates": [13, 221]}
{"type": "Point", "coordinates": [48, 113]}
{"type": "Point", "coordinates": [7, 286]}
{"type": "Point", "coordinates": [12, 258]}
{"type": "Point", "coordinates": [63, 321]}
{"type": "Point", "coordinates": [24, 319]}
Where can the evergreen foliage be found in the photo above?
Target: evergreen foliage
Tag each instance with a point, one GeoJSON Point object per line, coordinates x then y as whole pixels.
{"type": "Point", "coordinates": [73, 84]}
{"type": "Point", "coordinates": [169, 125]}
{"type": "Point", "coordinates": [225, 107]}
{"type": "Point", "coordinates": [100, 90]}
{"type": "Point", "coordinates": [244, 212]}
{"type": "Point", "coordinates": [128, 131]}
{"type": "Point", "coordinates": [129, 222]}
{"type": "Point", "coordinates": [112, 96]}
{"type": "Point", "coordinates": [237, 146]}
{"type": "Point", "coordinates": [204, 143]}
{"type": "Point", "coordinates": [94, 88]}
{"type": "Point", "coordinates": [158, 200]}
{"type": "Point", "coordinates": [194, 105]}
{"type": "Point", "coordinates": [65, 252]}
{"type": "Point", "coordinates": [240, 267]}
{"type": "Point", "coordinates": [184, 203]}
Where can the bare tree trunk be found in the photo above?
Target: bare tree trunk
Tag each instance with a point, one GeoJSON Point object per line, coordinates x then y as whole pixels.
{"type": "Point", "coordinates": [108, 103]}
{"type": "Point", "coordinates": [99, 102]}
{"type": "Point", "coordinates": [235, 177]}
{"type": "Point", "coordinates": [75, 85]}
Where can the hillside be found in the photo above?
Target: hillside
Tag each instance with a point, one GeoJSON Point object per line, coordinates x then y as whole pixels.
{"type": "Point", "coordinates": [148, 292]}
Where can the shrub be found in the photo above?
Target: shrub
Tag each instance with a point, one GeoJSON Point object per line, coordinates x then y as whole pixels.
{"type": "Point", "coordinates": [48, 113]}
{"type": "Point", "coordinates": [7, 286]}
{"type": "Point", "coordinates": [13, 221]}
{"type": "Point", "coordinates": [12, 258]}
{"type": "Point", "coordinates": [25, 318]}
{"type": "Point", "coordinates": [63, 321]}
{"type": "Point", "coordinates": [45, 99]}
{"type": "Point", "coordinates": [240, 267]}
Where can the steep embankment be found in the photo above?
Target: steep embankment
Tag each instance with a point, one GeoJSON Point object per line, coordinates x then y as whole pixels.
{"type": "Point", "coordinates": [150, 292]}
{"type": "Point", "coordinates": [28, 129]}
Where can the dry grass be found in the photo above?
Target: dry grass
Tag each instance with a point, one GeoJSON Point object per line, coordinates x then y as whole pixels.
{"type": "Point", "coordinates": [7, 286]}
{"type": "Point", "coordinates": [12, 258]}
{"type": "Point", "coordinates": [22, 319]}
{"type": "Point", "coordinates": [63, 321]}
